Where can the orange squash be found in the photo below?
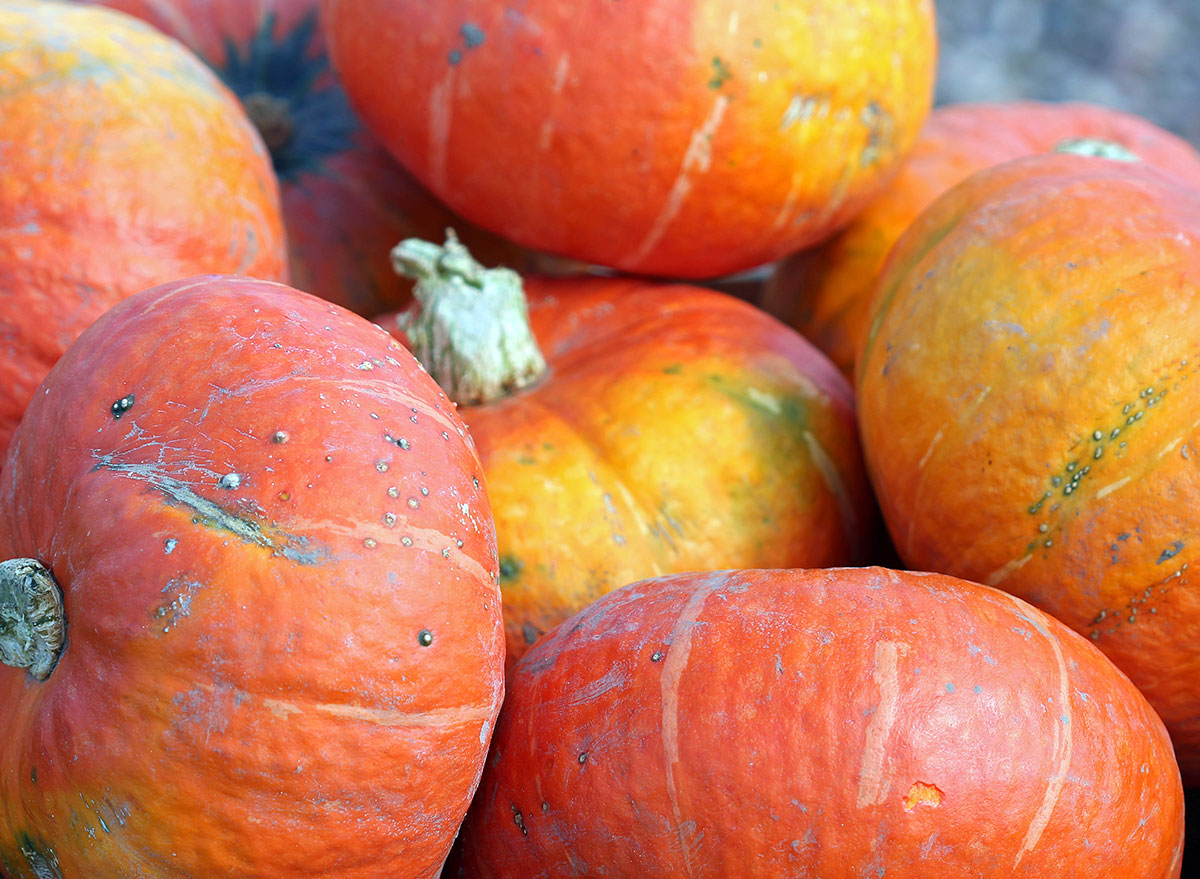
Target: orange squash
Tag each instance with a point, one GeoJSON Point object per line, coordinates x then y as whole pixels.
{"type": "Point", "coordinates": [1028, 412]}
{"type": "Point", "coordinates": [672, 138]}
{"type": "Point", "coordinates": [824, 291]}
{"type": "Point", "coordinates": [346, 202]}
{"type": "Point", "coordinates": [837, 723]}
{"type": "Point", "coordinates": [126, 164]}
{"type": "Point", "coordinates": [247, 585]}
{"type": "Point", "coordinates": [668, 428]}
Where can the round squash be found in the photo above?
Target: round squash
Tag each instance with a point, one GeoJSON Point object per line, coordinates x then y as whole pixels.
{"type": "Point", "coordinates": [126, 164]}
{"type": "Point", "coordinates": [346, 202]}
{"type": "Point", "coordinates": [1028, 413]}
{"type": "Point", "coordinates": [668, 428]}
{"type": "Point", "coordinates": [837, 723]}
{"type": "Point", "coordinates": [673, 138]}
{"type": "Point", "coordinates": [825, 291]}
{"type": "Point", "coordinates": [247, 580]}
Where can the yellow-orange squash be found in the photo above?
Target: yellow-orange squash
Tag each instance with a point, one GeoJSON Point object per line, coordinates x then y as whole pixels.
{"type": "Point", "coordinates": [1030, 408]}
{"type": "Point", "coordinates": [824, 291]}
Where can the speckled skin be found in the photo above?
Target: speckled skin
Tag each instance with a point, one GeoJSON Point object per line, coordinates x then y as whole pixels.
{"type": "Point", "coordinates": [676, 429]}
{"type": "Point", "coordinates": [346, 202]}
{"type": "Point", "coordinates": [249, 557]}
{"type": "Point", "coordinates": [1028, 406]}
{"type": "Point", "coordinates": [689, 138]}
{"type": "Point", "coordinates": [825, 291]}
{"type": "Point", "coordinates": [126, 164]}
{"type": "Point", "coordinates": [835, 723]}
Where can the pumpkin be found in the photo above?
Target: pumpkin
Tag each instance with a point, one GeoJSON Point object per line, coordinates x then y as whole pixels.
{"type": "Point", "coordinates": [629, 428]}
{"type": "Point", "coordinates": [247, 583]}
{"type": "Point", "coordinates": [1027, 410]}
{"type": "Point", "coordinates": [126, 164]}
{"type": "Point", "coordinates": [825, 291]}
{"type": "Point", "coordinates": [675, 138]}
{"type": "Point", "coordinates": [833, 723]}
{"type": "Point", "coordinates": [346, 202]}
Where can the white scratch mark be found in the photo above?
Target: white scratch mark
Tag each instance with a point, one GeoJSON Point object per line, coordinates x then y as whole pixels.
{"type": "Point", "coordinates": [441, 111]}
{"type": "Point", "coordinates": [697, 158]}
{"type": "Point", "coordinates": [1112, 486]}
{"type": "Point", "coordinates": [1004, 571]}
{"type": "Point", "coordinates": [1062, 737]}
{"type": "Point", "coordinates": [937, 438]}
{"type": "Point", "coordinates": [873, 787]}
{"type": "Point", "coordinates": [672, 673]}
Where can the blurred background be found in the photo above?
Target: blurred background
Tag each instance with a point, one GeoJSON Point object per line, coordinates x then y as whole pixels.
{"type": "Point", "coordinates": [1137, 55]}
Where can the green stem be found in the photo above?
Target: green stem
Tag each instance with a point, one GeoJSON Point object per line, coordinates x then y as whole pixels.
{"type": "Point", "coordinates": [1095, 146]}
{"type": "Point", "coordinates": [33, 623]}
{"type": "Point", "coordinates": [469, 325]}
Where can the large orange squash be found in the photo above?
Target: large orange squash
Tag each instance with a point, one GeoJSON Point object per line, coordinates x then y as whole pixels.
{"type": "Point", "coordinates": [346, 202]}
{"type": "Point", "coordinates": [825, 291]}
{"type": "Point", "coordinates": [669, 428]}
{"type": "Point", "coordinates": [837, 723]}
{"type": "Point", "coordinates": [1028, 411]}
{"type": "Point", "coordinates": [125, 163]}
{"type": "Point", "coordinates": [254, 636]}
{"type": "Point", "coordinates": [673, 138]}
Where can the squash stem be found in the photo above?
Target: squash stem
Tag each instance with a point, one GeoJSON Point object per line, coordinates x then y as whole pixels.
{"type": "Point", "coordinates": [33, 623]}
{"type": "Point", "coordinates": [469, 325]}
{"type": "Point", "coordinates": [1098, 147]}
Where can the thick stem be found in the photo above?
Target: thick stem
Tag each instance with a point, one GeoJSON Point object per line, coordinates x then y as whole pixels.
{"type": "Point", "coordinates": [469, 326]}
{"type": "Point", "coordinates": [33, 624]}
{"type": "Point", "coordinates": [1095, 146]}
{"type": "Point", "coordinates": [272, 117]}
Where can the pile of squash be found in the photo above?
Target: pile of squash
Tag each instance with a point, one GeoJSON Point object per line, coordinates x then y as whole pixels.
{"type": "Point", "coordinates": [546, 439]}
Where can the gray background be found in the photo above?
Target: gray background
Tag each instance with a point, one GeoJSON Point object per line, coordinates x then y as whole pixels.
{"type": "Point", "coordinates": [1136, 55]}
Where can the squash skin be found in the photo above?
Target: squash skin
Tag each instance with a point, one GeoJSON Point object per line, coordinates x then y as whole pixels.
{"type": "Point", "coordinates": [830, 723]}
{"type": "Point", "coordinates": [126, 164]}
{"type": "Point", "coordinates": [346, 202]}
{"type": "Point", "coordinates": [676, 429]}
{"type": "Point", "coordinates": [245, 689]}
{"type": "Point", "coordinates": [825, 291]}
{"type": "Point", "coordinates": [679, 138]}
{"type": "Point", "coordinates": [1035, 331]}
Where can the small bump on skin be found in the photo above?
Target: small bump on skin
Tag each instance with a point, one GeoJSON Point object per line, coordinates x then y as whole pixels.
{"type": "Point", "coordinates": [369, 542]}
{"type": "Point", "coordinates": [406, 541]}
{"type": "Point", "coordinates": [425, 637]}
{"type": "Point", "coordinates": [381, 466]}
{"type": "Point", "coordinates": [280, 436]}
{"type": "Point", "coordinates": [393, 492]}
{"type": "Point", "coordinates": [389, 519]}
{"type": "Point", "coordinates": [230, 481]}
{"type": "Point", "coordinates": [413, 503]}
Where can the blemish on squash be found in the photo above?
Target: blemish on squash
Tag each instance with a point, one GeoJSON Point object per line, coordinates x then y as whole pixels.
{"type": "Point", "coordinates": [121, 406]}
{"type": "Point", "coordinates": [424, 637]}
{"type": "Point", "coordinates": [519, 820]}
{"type": "Point", "coordinates": [1170, 552]}
{"type": "Point", "coordinates": [280, 436]}
{"type": "Point", "coordinates": [169, 545]}
{"type": "Point", "coordinates": [530, 633]}
{"type": "Point", "coordinates": [510, 568]}
{"type": "Point", "coordinates": [922, 794]}
{"type": "Point", "coordinates": [721, 73]}
{"type": "Point", "coordinates": [39, 856]}
{"type": "Point", "coordinates": [230, 481]}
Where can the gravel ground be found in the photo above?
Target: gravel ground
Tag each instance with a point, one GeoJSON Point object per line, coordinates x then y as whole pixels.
{"type": "Point", "coordinates": [1136, 55]}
